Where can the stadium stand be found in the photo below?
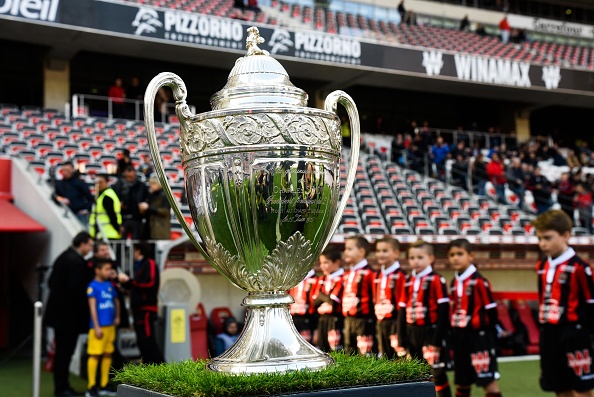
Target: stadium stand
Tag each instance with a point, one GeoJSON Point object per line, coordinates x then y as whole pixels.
{"type": "Point", "coordinates": [386, 198]}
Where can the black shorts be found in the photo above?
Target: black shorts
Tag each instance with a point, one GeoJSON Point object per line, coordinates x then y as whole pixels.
{"type": "Point", "coordinates": [565, 358]}
{"type": "Point", "coordinates": [359, 335]}
{"type": "Point", "coordinates": [475, 360]}
{"type": "Point", "coordinates": [419, 338]}
{"type": "Point", "coordinates": [387, 334]}
{"type": "Point", "coordinates": [330, 332]}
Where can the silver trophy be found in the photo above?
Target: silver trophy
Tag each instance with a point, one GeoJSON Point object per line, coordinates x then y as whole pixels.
{"type": "Point", "coordinates": [262, 175]}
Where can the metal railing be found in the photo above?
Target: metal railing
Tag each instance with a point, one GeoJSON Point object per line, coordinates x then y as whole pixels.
{"type": "Point", "coordinates": [86, 105]}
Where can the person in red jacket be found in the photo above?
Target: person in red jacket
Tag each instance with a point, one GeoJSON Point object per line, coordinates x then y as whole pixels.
{"type": "Point", "coordinates": [505, 30]}
{"type": "Point", "coordinates": [143, 302]}
{"type": "Point", "coordinates": [496, 174]}
{"type": "Point", "coordinates": [117, 95]}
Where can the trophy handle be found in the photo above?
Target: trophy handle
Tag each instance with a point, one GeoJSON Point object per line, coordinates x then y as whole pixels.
{"type": "Point", "coordinates": [345, 100]}
{"type": "Point", "coordinates": [184, 114]}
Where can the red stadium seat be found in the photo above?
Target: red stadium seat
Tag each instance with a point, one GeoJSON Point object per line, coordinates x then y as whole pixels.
{"type": "Point", "coordinates": [525, 315]}
{"type": "Point", "coordinates": [218, 315]}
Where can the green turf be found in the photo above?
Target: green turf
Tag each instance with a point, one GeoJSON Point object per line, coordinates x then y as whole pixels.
{"type": "Point", "coordinates": [191, 379]}
{"type": "Point", "coordinates": [518, 379]}
{"type": "Point", "coordinates": [16, 380]}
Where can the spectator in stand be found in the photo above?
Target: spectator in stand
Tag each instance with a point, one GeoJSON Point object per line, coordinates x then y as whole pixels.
{"type": "Point", "coordinates": [496, 174]}
{"type": "Point", "coordinates": [480, 30]}
{"type": "Point", "coordinates": [460, 148]}
{"type": "Point", "coordinates": [228, 337]}
{"type": "Point", "coordinates": [161, 100]}
{"type": "Point", "coordinates": [146, 167]}
{"type": "Point", "coordinates": [144, 289]}
{"type": "Point", "coordinates": [505, 30]}
{"type": "Point", "coordinates": [402, 11]}
{"type": "Point", "coordinates": [67, 308]}
{"type": "Point", "coordinates": [131, 192]}
{"type": "Point", "coordinates": [107, 210]}
{"type": "Point", "coordinates": [426, 134]}
{"type": "Point", "coordinates": [157, 212]}
{"type": "Point", "coordinates": [460, 172]}
{"type": "Point", "coordinates": [117, 95]}
{"type": "Point", "coordinates": [565, 192]}
{"type": "Point", "coordinates": [583, 203]}
{"type": "Point", "coordinates": [572, 160]}
{"type": "Point", "coordinates": [516, 180]}
{"type": "Point", "coordinates": [411, 18]}
{"type": "Point", "coordinates": [479, 174]}
{"type": "Point", "coordinates": [136, 93]}
{"type": "Point", "coordinates": [439, 153]}
{"type": "Point", "coordinates": [464, 24]}
{"type": "Point", "coordinates": [398, 149]}
{"type": "Point", "coordinates": [417, 155]}
{"type": "Point", "coordinates": [124, 161]}
{"type": "Point", "coordinates": [252, 5]}
{"type": "Point", "coordinates": [540, 187]}
{"type": "Point", "coordinates": [74, 192]}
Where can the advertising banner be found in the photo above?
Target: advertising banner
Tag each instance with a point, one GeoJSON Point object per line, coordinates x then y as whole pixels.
{"type": "Point", "coordinates": [177, 27]}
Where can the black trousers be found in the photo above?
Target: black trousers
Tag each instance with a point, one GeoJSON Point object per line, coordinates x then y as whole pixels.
{"type": "Point", "coordinates": [144, 327]}
{"type": "Point", "coordinates": [65, 344]}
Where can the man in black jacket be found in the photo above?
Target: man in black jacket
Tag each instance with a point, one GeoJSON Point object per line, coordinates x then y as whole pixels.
{"type": "Point", "coordinates": [131, 191]}
{"type": "Point", "coordinates": [67, 308]}
{"type": "Point", "coordinates": [143, 302]}
{"type": "Point", "coordinates": [74, 192]}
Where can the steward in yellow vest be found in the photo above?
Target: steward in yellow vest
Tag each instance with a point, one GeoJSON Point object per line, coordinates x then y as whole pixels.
{"type": "Point", "coordinates": [108, 211]}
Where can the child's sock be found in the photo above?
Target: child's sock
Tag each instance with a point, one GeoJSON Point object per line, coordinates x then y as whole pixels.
{"type": "Point", "coordinates": [463, 391]}
{"type": "Point", "coordinates": [92, 364]}
{"type": "Point", "coordinates": [105, 367]}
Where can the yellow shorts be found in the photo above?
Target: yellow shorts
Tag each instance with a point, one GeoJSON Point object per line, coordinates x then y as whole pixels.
{"type": "Point", "coordinates": [97, 347]}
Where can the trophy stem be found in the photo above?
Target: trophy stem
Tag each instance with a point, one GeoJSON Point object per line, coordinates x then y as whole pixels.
{"type": "Point", "coordinates": [269, 341]}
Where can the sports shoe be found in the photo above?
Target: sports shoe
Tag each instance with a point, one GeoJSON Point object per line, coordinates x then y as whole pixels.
{"type": "Point", "coordinates": [108, 390]}
{"type": "Point", "coordinates": [92, 392]}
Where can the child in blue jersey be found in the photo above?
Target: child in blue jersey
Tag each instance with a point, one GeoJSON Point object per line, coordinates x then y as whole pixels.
{"type": "Point", "coordinates": [105, 316]}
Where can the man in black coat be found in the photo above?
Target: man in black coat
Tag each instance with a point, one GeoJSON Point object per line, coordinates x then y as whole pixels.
{"type": "Point", "coordinates": [74, 192]}
{"type": "Point", "coordinates": [67, 307]}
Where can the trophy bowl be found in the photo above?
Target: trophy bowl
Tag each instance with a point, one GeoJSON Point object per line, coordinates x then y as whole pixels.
{"type": "Point", "coordinates": [262, 176]}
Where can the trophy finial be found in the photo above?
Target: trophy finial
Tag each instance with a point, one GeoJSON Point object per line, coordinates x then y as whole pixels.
{"type": "Point", "coordinates": [252, 42]}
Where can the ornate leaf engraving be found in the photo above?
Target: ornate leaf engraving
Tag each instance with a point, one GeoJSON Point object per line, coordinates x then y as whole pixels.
{"type": "Point", "coordinates": [261, 128]}
{"type": "Point", "coordinates": [281, 270]}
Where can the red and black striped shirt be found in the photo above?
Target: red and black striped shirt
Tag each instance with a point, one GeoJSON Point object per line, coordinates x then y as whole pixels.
{"type": "Point", "coordinates": [565, 289]}
{"type": "Point", "coordinates": [302, 294]}
{"type": "Point", "coordinates": [357, 296]}
{"type": "Point", "coordinates": [329, 290]}
{"type": "Point", "coordinates": [471, 299]}
{"type": "Point", "coordinates": [423, 293]}
{"type": "Point", "coordinates": [388, 287]}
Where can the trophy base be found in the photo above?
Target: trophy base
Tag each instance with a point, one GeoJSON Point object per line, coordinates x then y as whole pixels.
{"type": "Point", "coordinates": [269, 341]}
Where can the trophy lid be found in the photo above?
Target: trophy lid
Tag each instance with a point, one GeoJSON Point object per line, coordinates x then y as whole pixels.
{"type": "Point", "coordinates": [257, 79]}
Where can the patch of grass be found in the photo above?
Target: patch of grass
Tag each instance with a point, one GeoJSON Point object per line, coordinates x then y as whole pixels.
{"type": "Point", "coordinates": [191, 378]}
